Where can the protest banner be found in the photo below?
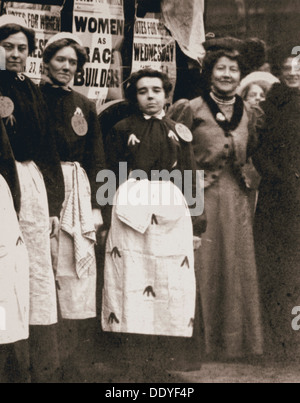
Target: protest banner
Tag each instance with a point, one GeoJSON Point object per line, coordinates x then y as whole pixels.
{"type": "Point", "coordinates": [185, 20]}
{"type": "Point", "coordinates": [45, 23]}
{"type": "Point", "coordinates": [100, 26]}
{"type": "Point", "coordinates": [154, 47]}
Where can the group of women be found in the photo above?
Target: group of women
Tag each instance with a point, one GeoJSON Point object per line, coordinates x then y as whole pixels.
{"type": "Point", "coordinates": [171, 275]}
{"type": "Point", "coordinates": [53, 135]}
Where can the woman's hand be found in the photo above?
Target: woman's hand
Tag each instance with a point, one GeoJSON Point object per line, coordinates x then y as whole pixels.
{"type": "Point", "coordinates": [53, 227]}
{"type": "Point", "coordinates": [98, 220]}
{"type": "Point", "coordinates": [197, 242]}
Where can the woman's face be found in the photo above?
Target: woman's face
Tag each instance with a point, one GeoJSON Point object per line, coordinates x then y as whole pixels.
{"type": "Point", "coordinates": [63, 66]}
{"type": "Point", "coordinates": [226, 76]}
{"type": "Point", "coordinates": [151, 95]}
{"type": "Point", "coordinates": [290, 73]}
{"type": "Point", "coordinates": [16, 52]}
{"type": "Point", "coordinates": [255, 95]}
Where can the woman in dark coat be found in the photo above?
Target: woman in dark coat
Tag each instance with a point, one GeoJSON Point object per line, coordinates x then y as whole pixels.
{"type": "Point", "coordinates": [149, 280]}
{"type": "Point", "coordinates": [77, 133]}
{"type": "Point", "coordinates": [25, 117]}
{"type": "Point", "coordinates": [277, 220]}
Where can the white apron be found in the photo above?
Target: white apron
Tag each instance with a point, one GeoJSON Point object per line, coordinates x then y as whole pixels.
{"type": "Point", "coordinates": [76, 261]}
{"type": "Point", "coordinates": [14, 273]}
{"type": "Point", "coordinates": [34, 223]}
{"type": "Point", "coordinates": [149, 279]}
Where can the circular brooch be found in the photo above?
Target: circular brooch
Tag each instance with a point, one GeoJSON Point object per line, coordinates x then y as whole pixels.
{"type": "Point", "coordinates": [6, 107]}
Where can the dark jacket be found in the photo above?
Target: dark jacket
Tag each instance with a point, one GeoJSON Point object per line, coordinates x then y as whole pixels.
{"type": "Point", "coordinates": [277, 218]}
{"type": "Point", "coordinates": [29, 134]}
{"type": "Point", "coordinates": [156, 151]}
{"type": "Point", "coordinates": [86, 149]}
{"type": "Point", "coordinates": [278, 156]}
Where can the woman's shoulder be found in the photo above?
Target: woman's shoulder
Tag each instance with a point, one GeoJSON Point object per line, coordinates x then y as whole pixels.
{"type": "Point", "coordinates": [82, 98]}
{"type": "Point", "coordinates": [184, 110]}
{"type": "Point", "coordinates": [33, 86]}
{"type": "Point", "coordinates": [280, 95]}
{"type": "Point", "coordinates": [127, 123]}
{"type": "Point", "coordinates": [187, 103]}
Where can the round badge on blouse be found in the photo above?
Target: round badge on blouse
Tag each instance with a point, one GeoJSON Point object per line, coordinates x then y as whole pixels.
{"type": "Point", "coordinates": [184, 133]}
{"type": "Point", "coordinates": [79, 123]}
{"type": "Point", "coordinates": [6, 107]}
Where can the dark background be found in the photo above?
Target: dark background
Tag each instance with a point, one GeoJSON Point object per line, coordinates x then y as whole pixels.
{"type": "Point", "coordinates": [274, 21]}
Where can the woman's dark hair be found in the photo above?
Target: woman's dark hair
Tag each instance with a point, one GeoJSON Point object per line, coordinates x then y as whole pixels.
{"type": "Point", "coordinates": [11, 29]}
{"type": "Point", "coordinates": [278, 55]}
{"type": "Point", "coordinates": [254, 53]}
{"type": "Point", "coordinates": [212, 57]}
{"type": "Point", "coordinates": [131, 90]}
{"type": "Point", "coordinates": [54, 47]}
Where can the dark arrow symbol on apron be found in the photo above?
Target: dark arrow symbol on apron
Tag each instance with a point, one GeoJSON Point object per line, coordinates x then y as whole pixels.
{"type": "Point", "coordinates": [115, 252]}
{"type": "Point", "coordinates": [149, 290]}
{"type": "Point", "coordinates": [19, 241]}
{"type": "Point", "coordinates": [154, 220]}
{"type": "Point", "coordinates": [112, 318]}
{"type": "Point", "coordinates": [186, 261]}
{"type": "Point", "coordinates": [191, 324]}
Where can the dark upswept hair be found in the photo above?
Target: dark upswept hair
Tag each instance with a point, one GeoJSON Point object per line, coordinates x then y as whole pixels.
{"type": "Point", "coordinates": [51, 50]}
{"type": "Point", "coordinates": [131, 90]}
{"type": "Point", "coordinates": [11, 29]}
{"type": "Point", "coordinates": [278, 54]}
{"type": "Point", "coordinates": [212, 57]}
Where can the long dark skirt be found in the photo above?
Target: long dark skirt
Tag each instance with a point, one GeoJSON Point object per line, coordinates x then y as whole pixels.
{"type": "Point", "coordinates": [15, 363]}
{"type": "Point", "coordinates": [277, 241]}
{"type": "Point", "coordinates": [226, 273]}
{"type": "Point", "coordinates": [34, 360]}
{"type": "Point", "coordinates": [44, 354]}
{"type": "Point", "coordinates": [144, 358]}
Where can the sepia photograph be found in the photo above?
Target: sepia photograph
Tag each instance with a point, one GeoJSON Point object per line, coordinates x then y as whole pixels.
{"type": "Point", "coordinates": [149, 194]}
